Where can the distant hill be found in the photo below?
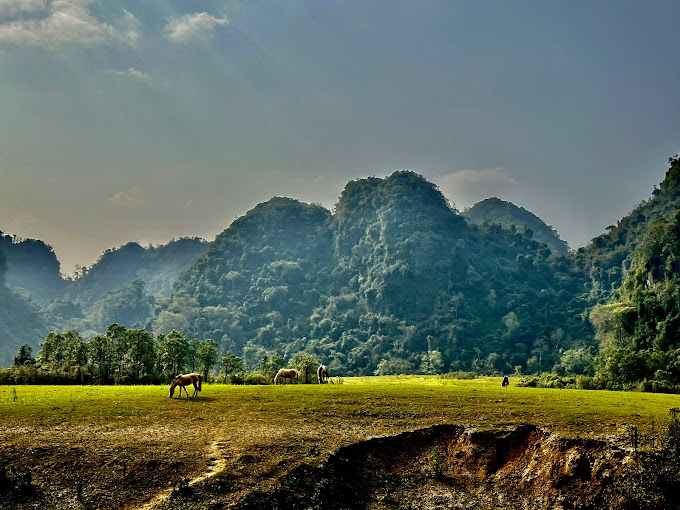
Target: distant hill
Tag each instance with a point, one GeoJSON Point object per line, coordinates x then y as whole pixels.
{"type": "Point", "coordinates": [33, 266]}
{"type": "Point", "coordinates": [20, 320]}
{"type": "Point", "coordinates": [21, 323]}
{"type": "Point", "coordinates": [157, 266]}
{"type": "Point", "coordinates": [119, 287]}
{"type": "Point", "coordinates": [507, 214]}
{"type": "Point", "coordinates": [394, 276]}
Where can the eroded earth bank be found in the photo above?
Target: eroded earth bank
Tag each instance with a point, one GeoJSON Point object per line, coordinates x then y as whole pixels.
{"type": "Point", "coordinates": [447, 466]}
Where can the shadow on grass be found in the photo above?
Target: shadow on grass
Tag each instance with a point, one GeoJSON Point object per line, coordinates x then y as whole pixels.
{"type": "Point", "coordinates": [196, 399]}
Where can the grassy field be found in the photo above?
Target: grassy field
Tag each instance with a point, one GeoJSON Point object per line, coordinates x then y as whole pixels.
{"type": "Point", "coordinates": [477, 403]}
{"type": "Point", "coordinates": [99, 438]}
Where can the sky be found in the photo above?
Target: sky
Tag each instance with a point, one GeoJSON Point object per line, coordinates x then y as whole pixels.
{"type": "Point", "coordinates": [147, 121]}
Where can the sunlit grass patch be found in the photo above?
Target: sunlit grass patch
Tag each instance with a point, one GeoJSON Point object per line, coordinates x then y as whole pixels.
{"type": "Point", "coordinates": [480, 402]}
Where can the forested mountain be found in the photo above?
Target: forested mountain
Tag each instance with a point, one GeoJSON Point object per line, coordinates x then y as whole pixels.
{"type": "Point", "coordinates": [20, 321]}
{"type": "Point", "coordinates": [157, 266]}
{"type": "Point", "coordinates": [507, 214]}
{"type": "Point", "coordinates": [33, 266]}
{"type": "Point", "coordinates": [120, 287]}
{"type": "Point", "coordinates": [608, 256]}
{"type": "Point", "coordinates": [396, 277]}
{"type": "Point", "coordinates": [396, 280]}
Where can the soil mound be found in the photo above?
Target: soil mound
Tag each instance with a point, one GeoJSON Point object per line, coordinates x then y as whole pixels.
{"type": "Point", "coordinates": [447, 466]}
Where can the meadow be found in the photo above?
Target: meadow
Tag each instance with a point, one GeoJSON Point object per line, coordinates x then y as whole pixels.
{"type": "Point", "coordinates": [117, 446]}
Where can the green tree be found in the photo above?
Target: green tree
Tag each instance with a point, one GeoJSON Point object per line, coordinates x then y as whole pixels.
{"type": "Point", "coordinates": [118, 342]}
{"type": "Point", "coordinates": [141, 353]}
{"type": "Point", "coordinates": [432, 363]}
{"type": "Point", "coordinates": [61, 351]}
{"type": "Point", "coordinates": [306, 364]}
{"type": "Point", "coordinates": [394, 366]}
{"type": "Point", "coordinates": [576, 362]}
{"type": "Point", "coordinates": [53, 351]}
{"type": "Point", "coordinates": [192, 354]}
{"type": "Point", "coordinates": [252, 354]}
{"type": "Point", "coordinates": [75, 349]}
{"type": "Point", "coordinates": [101, 357]}
{"type": "Point", "coordinates": [170, 321]}
{"type": "Point", "coordinates": [173, 350]}
{"type": "Point", "coordinates": [269, 365]}
{"type": "Point", "coordinates": [24, 356]}
{"type": "Point", "coordinates": [207, 354]}
{"type": "Point", "coordinates": [230, 364]}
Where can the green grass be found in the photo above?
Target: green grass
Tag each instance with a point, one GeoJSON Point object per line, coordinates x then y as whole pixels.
{"type": "Point", "coordinates": [415, 400]}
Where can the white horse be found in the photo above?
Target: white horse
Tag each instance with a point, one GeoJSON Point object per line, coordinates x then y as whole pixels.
{"type": "Point", "coordinates": [286, 373]}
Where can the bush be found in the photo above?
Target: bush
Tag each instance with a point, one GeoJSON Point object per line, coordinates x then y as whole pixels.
{"type": "Point", "coordinates": [236, 378]}
{"type": "Point", "coordinates": [255, 378]}
{"type": "Point", "coordinates": [584, 382]}
{"type": "Point", "coordinates": [549, 380]}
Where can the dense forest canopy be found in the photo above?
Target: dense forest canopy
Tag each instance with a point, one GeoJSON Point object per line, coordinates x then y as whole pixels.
{"type": "Point", "coordinates": [395, 275]}
{"type": "Point", "coordinates": [397, 281]}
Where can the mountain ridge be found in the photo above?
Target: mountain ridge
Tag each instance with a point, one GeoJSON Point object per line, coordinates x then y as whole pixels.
{"type": "Point", "coordinates": [495, 210]}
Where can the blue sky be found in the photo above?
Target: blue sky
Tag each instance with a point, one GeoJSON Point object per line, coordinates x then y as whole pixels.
{"type": "Point", "coordinates": [145, 121]}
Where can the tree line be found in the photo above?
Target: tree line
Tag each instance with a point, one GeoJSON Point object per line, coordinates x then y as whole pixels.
{"type": "Point", "coordinates": [137, 356]}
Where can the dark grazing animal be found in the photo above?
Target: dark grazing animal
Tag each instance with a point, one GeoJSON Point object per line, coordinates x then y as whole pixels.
{"type": "Point", "coordinates": [183, 381]}
{"type": "Point", "coordinates": [506, 381]}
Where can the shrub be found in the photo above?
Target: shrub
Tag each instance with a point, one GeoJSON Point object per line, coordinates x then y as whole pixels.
{"type": "Point", "coordinates": [255, 378]}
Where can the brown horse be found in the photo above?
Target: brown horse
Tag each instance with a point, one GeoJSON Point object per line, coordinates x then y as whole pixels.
{"type": "Point", "coordinates": [286, 373]}
{"type": "Point", "coordinates": [183, 381]}
{"type": "Point", "coordinates": [322, 374]}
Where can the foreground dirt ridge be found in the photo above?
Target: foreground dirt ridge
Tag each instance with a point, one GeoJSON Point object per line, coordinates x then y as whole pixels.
{"type": "Point", "coordinates": [444, 466]}
{"type": "Point", "coordinates": [448, 466]}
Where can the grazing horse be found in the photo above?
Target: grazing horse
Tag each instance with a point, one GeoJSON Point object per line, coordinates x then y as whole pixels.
{"type": "Point", "coordinates": [286, 373]}
{"type": "Point", "coordinates": [183, 381]}
{"type": "Point", "coordinates": [322, 374]}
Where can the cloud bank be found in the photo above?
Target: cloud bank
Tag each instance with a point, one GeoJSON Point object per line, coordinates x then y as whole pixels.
{"type": "Point", "coordinates": [12, 8]}
{"type": "Point", "coordinates": [64, 22]}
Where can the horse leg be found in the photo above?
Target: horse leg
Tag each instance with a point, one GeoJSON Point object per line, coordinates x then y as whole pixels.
{"type": "Point", "coordinates": [195, 390]}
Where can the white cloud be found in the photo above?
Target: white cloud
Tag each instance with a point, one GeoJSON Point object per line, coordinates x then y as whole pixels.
{"type": "Point", "coordinates": [193, 26]}
{"type": "Point", "coordinates": [132, 74]}
{"type": "Point", "coordinates": [467, 187]}
{"type": "Point", "coordinates": [67, 22]}
{"type": "Point", "coordinates": [127, 199]}
{"type": "Point", "coordinates": [11, 8]}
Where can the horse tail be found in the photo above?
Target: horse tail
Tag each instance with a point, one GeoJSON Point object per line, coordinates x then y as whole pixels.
{"type": "Point", "coordinates": [200, 378]}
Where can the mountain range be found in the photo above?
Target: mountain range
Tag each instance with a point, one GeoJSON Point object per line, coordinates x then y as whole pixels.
{"type": "Point", "coordinates": [395, 278]}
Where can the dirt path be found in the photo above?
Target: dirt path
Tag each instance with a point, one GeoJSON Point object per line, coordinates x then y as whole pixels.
{"type": "Point", "coordinates": [217, 463]}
